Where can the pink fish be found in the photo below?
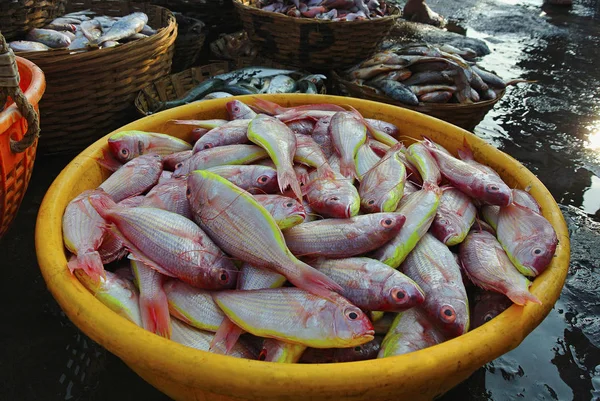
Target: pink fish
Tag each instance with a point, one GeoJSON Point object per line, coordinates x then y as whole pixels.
{"type": "Point", "coordinates": [232, 133]}
{"type": "Point", "coordinates": [239, 111]}
{"type": "Point", "coordinates": [251, 234]}
{"type": "Point", "coordinates": [470, 180]}
{"type": "Point", "coordinates": [487, 266]}
{"type": "Point", "coordinates": [171, 161]}
{"type": "Point", "coordinates": [154, 306]}
{"type": "Point", "coordinates": [255, 179]}
{"type": "Point", "coordinates": [134, 177]}
{"type": "Point", "coordinates": [372, 285]}
{"type": "Point", "coordinates": [527, 237]}
{"type": "Point", "coordinates": [83, 233]}
{"type": "Point", "coordinates": [280, 143]}
{"type": "Point", "coordinates": [169, 243]}
{"type": "Point", "coordinates": [336, 198]}
{"type": "Point", "coordinates": [321, 136]}
{"type": "Point", "coordinates": [343, 238]}
{"type": "Point", "coordinates": [126, 145]}
{"type": "Point", "coordinates": [347, 134]}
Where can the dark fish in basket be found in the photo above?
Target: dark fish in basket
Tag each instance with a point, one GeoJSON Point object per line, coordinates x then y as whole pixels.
{"type": "Point", "coordinates": [397, 91]}
{"type": "Point", "coordinates": [245, 74]}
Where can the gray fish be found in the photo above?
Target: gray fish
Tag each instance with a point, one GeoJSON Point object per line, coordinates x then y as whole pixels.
{"type": "Point", "coordinates": [248, 73]}
{"type": "Point", "coordinates": [492, 80]}
{"type": "Point", "coordinates": [49, 37]}
{"type": "Point", "coordinates": [27, 46]}
{"type": "Point", "coordinates": [124, 28]}
{"type": "Point", "coordinates": [148, 31]}
{"type": "Point", "coordinates": [282, 84]}
{"type": "Point", "coordinates": [92, 29]}
{"type": "Point", "coordinates": [397, 91]}
{"type": "Point", "coordinates": [436, 97]}
{"type": "Point", "coordinates": [430, 77]}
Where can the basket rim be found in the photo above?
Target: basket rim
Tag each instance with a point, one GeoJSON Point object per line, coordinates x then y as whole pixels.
{"type": "Point", "coordinates": [286, 18]}
{"type": "Point", "coordinates": [422, 106]}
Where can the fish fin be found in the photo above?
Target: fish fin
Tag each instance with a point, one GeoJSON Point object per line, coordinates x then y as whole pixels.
{"type": "Point", "coordinates": [313, 281]}
{"type": "Point", "coordinates": [102, 202]}
{"type": "Point", "coordinates": [108, 161]}
{"type": "Point", "coordinates": [521, 297]}
{"type": "Point", "coordinates": [288, 178]}
{"type": "Point", "coordinates": [348, 169]}
{"type": "Point", "coordinates": [136, 254]}
{"type": "Point", "coordinates": [326, 172]}
{"type": "Point", "coordinates": [90, 263]}
{"type": "Point", "coordinates": [154, 309]}
{"type": "Point", "coordinates": [465, 153]}
{"type": "Point", "coordinates": [226, 337]}
{"type": "Point", "coordinates": [268, 107]}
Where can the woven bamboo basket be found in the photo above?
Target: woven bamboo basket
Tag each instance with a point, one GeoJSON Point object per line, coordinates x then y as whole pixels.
{"type": "Point", "coordinates": [466, 116]}
{"type": "Point", "coordinates": [19, 16]}
{"type": "Point", "coordinates": [90, 93]}
{"type": "Point", "coordinates": [175, 86]}
{"type": "Point", "coordinates": [189, 42]}
{"type": "Point", "coordinates": [22, 85]}
{"type": "Point", "coordinates": [218, 15]}
{"type": "Point", "coordinates": [311, 43]}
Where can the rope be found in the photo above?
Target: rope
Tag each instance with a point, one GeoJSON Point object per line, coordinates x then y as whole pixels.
{"type": "Point", "coordinates": [9, 86]}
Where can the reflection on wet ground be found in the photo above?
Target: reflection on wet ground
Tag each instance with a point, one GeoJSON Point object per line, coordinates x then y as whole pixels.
{"type": "Point", "coordinates": [551, 126]}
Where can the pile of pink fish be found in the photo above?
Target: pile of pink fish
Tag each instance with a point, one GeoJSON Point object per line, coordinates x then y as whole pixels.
{"type": "Point", "coordinates": [303, 234]}
{"type": "Point", "coordinates": [327, 10]}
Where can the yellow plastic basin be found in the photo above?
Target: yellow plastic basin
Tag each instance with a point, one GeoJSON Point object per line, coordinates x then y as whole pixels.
{"type": "Point", "coordinates": [187, 374]}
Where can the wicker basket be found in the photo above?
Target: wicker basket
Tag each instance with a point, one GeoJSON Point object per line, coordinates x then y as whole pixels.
{"type": "Point", "coordinates": [175, 86]}
{"type": "Point", "coordinates": [91, 93]}
{"type": "Point", "coordinates": [18, 17]}
{"type": "Point", "coordinates": [189, 42]}
{"type": "Point", "coordinates": [312, 43]}
{"type": "Point", "coordinates": [19, 122]}
{"type": "Point", "coordinates": [466, 116]}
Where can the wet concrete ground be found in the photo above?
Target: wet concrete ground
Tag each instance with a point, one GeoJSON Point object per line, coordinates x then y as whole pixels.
{"type": "Point", "coordinates": [552, 127]}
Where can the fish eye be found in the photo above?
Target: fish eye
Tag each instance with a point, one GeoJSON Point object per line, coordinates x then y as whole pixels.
{"type": "Point", "coordinates": [387, 222]}
{"type": "Point", "coordinates": [263, 179]}
{"type": "Point", "coordinates": [493, 188]}
{"type": "Point", "coordinates": [357, 348]}
{"type": "Point", "coordinates": [334, 198]}
{"type": "Point", "coordinates": [224, 277]}
{"type": "Point", "coordinates": [179, 165]}
{"type": "Point", "coordinates": [263, 355]}
{"type": "Point", "coordinates": [371, 202]}
{"type": "Point", "coordinates": [447, 314]}
{"type": "Point", "coordinates": [388, 130]}
{"type": "Point", "coordinates": [124, 152]}
{"type": "Point", "coordinates": [537, 251]}
{"type": "Point", "coordinates": [488, 317]}
{"type": "Point", "coordinates": [207, 146]}
{"type": "Point", "coordinates": [188, 192]}
{"type": "Point", "coordinates": [289, 204]}
{"type": "Point", "coordinates": [236, 109]}
{"type": "Point", "coordinates": [399, 295]}
{"type": "Point", "coordinates": [351, 314]}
